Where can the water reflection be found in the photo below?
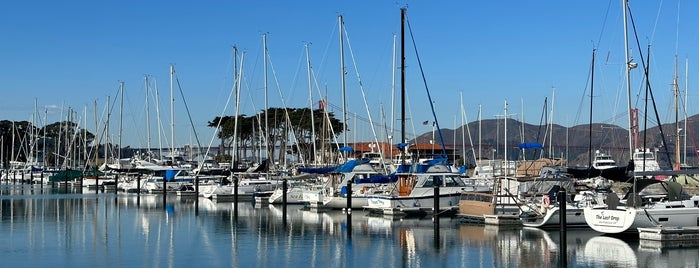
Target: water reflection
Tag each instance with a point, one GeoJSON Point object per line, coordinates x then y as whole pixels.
{"type": "Point", "coordinates": [84, 230]}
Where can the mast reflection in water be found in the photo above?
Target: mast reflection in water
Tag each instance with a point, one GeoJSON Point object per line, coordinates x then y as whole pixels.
{"type": "Point", "coordinates": [108, 230]}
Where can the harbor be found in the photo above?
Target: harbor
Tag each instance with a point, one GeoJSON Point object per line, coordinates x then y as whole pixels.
{"type": "Point", "coordinates": [263, 163]}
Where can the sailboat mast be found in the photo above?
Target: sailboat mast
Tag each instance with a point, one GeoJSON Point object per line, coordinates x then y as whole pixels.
{"type": "Point", "coordinates": [686, 93]}
{"type": "Point", "coordinates": [592, 91]}
{"type": "Point", "coordinates": [237, 107]}
{"type": "Point", "coordinates": [172, 115]}
{"type": "Point", "coordinates": [402, 84]}
{"type": "Point", "coordinates": [628, 76]}
{"type": "Point", "coordinates": [121, 120]}
{"type": "Point", "coordinates": [676, 91]}
{"type": "Point", "coordinates": [480, 109]}
{"type": "Point", "coordinates": [145, 78]}
{"type": "Point", "coordinates": [393, 95]}
{"type": "Point", "coordinates": [106, 131]}
{"type": "Point", "coordinates": [266, 130]}
{"type": "Point", "coordinates": [310, 100]}
{"type": "Point", "coordinates": [342, 83]}
{"type": "Point", "coordinates": [97, 132]}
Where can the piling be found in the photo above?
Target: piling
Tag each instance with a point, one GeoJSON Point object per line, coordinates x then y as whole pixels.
{"type": "Point", "coordinates": [116, 184]}
{"type": "Point", "coordinates": [562, 201]}
{"type": "Point", "coordinates": [285, 186]}
{"type": "Point", "coordinates": [165, 191]}
{"type": "Point", "coordinates": [235, 196]}
{"type": "Point", "coordinates": [196, 195]}
{"type": "Point", "coordinates": [435, 214]}
{"type": "Point", "coordinates": [349, 195]}
{"type": "Point", "coordinates": [138, 190]}
{"type": "Point", "coordinates": [42, 182]}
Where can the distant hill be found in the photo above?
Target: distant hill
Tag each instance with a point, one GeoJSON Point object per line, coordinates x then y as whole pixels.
{"type": "Point", "coordinates": [571, 143]}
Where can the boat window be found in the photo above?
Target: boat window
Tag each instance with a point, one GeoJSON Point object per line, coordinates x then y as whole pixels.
{"type": "Point", "coordinates": [452, 182]}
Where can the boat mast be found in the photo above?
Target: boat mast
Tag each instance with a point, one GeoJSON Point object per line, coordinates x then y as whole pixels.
{"type": "Point", "coordinates": [266, 130]}
{"type": "Point", "coordinates": [342, 85]}
{"type": "Point", "coordinates": [686, 93]}
{"type": "Point", "coordinates": [96, 140]}
{"type": "Point", "coordinates": [157, 115]}
{"type": "Point", "coordinates": [106, 132]}
{"type": "Point", "coordinates": [480, 108]}
{"type": "Point", "coordinates": [121, 120]}
{"type": "Point", "coordinates": [629, 66]}
{"type": "Point", "coordinates": [393, 96]}
{"type": "Point", "coordinates": [237, 106]}
{"type": "Point", "coordinates": [402, 84]}
{"type": "Point", "coordinates": [676, 92]}
{"type": "Point", "coordinates": [172, 115]}
{"type": "Point", "coordinates": [310, 100]}
{"type": "Point", "coordinates": [145, 78]}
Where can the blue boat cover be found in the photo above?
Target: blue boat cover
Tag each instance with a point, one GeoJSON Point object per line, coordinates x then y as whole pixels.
{"type": "Point", "coordinates": [531, 145]}
{"type": "Point", "coordinates": [170, 174]}
{"type": "Point", "coordinates": [349, 165]}
{"type": "Point", "coordinates": [378, 179]}
{"type": "Point", "coordinates": [322, 170]}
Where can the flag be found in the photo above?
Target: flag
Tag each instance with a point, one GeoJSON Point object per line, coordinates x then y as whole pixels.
{"type": "Point", "coordinates": [425, 122]}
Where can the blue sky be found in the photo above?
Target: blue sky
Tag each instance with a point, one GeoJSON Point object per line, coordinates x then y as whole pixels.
{"type": "Point", "coordinates": [73, 53]}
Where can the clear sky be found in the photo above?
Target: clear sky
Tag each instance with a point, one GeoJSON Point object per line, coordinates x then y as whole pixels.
{"type": "Point", "coordinates": [75, 53]}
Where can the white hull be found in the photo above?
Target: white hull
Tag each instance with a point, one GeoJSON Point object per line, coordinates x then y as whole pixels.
{"type": "Point", "coordinates": [317, 200]}
{"type": "Point", "coordinates": [425, 201]}
{"type": "Point", "coordinates": [574, 218]}
{"type": "Point", "coordinates": [614, 221]}
{"type": "Point", "coordinates": [294, 195]}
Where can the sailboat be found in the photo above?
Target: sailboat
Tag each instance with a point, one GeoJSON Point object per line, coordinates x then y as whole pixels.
{"type": "Point", "coordinates": [421, 187]}
{"type": "Point", "coordinates": [650, 202]}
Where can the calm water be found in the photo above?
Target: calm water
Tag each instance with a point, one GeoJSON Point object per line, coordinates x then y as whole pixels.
{"type": "Point", "coordinates": [108, 230]}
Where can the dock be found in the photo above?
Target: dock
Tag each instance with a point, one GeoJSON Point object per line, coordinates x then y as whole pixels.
{"type": "Point", "coordinates": [186, 194]}
{"type": "Point", "coordinates": [669, 237]}
{"type": "Point", "coordinates": [414, 211]}
{"type": "Point", "coordinates": [502, 220]}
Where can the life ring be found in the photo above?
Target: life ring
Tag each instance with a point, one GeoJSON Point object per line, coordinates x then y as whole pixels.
{"type": "Point", "coordinates": [545, 200]}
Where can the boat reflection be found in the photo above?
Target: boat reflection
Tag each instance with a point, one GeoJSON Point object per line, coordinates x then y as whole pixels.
{"type": "Point", "coordinates": [149, 232]}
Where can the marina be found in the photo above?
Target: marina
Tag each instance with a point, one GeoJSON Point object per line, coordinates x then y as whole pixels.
{"type": "Point", "coordinates": [330, 175]}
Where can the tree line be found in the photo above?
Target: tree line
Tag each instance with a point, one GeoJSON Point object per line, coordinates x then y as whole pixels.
{"type": "Point", "coordinates": [287, 130]}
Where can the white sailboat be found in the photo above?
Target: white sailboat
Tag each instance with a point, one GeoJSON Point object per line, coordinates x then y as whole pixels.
{"type": "Point", "coordinates": [645, 205]}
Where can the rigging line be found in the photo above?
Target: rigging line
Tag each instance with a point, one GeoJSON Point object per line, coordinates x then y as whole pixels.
{"type": "Point", "coordinates": [281, 96]}
{"type": "Point", "coordinates": [429, 97]}
{"type": "Point", "coordinates": [649, 89]}
{"type": "Point", "coordinates": [604, 22]}
{"type": "Point", "coordinates": [582, 99]}
{"type": "Point", "coordinates": [325, 109]}
{"type": "Point", "coordinates": [186, 107]}
{"type": "Point", "coordinates": [223, 111]}
{"type": "Point", "coordinates": [657, 18]}
{"type": "Point", "coordinates": [327, 48]}
{"type": "Point", "coordinates": [366, 104]}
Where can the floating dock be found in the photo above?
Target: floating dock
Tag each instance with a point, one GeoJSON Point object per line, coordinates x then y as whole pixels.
{"type": "Point", "coordinates": [502, 220]}
{"type": "Point", "coordinates": [186, 194]}
{"type": "Point", "coordinates": [669, 237]}
{"type": "Point", "coordinates": [415, 211]}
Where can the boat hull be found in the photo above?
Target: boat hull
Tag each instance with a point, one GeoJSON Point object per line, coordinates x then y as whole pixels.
{"type": "Point", "coordinates": [621, 220]}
